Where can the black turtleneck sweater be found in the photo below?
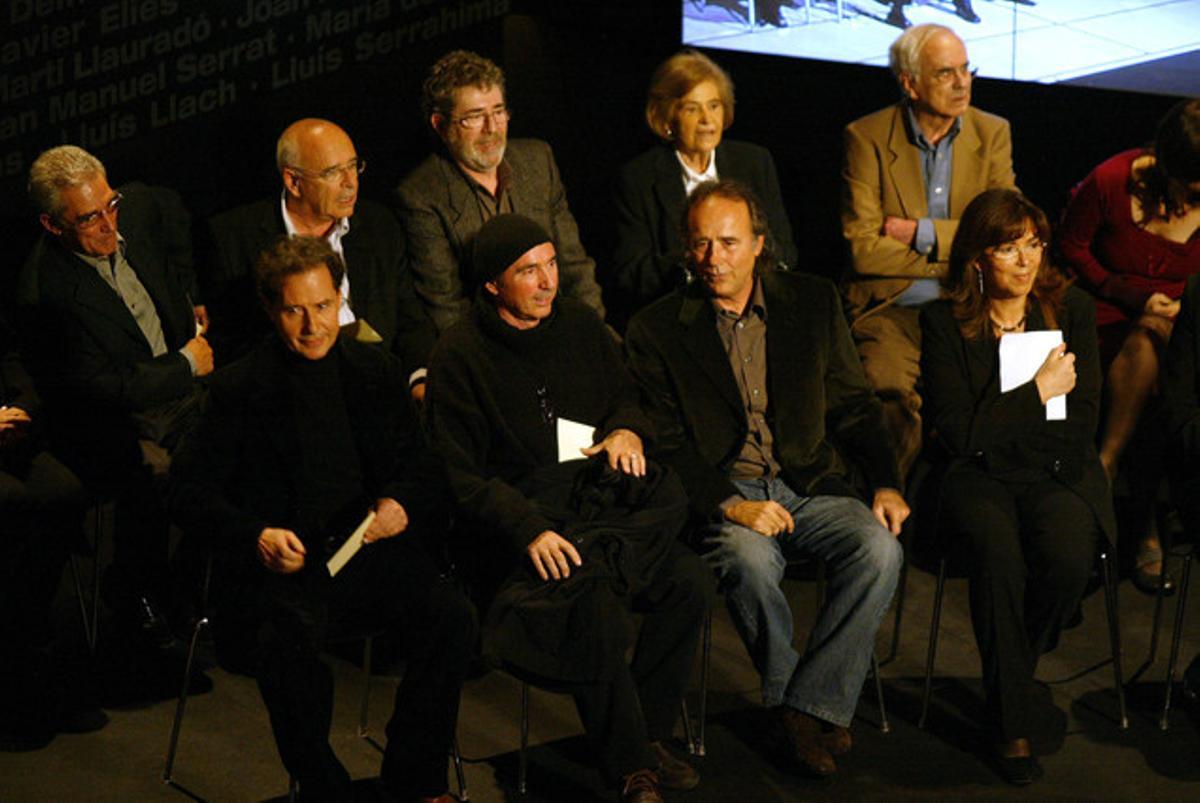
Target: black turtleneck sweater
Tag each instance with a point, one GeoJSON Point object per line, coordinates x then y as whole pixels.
{"type": "Point", "coordinates": [331, 480]}
{"type": "Point", "coordinates": [494, 394]}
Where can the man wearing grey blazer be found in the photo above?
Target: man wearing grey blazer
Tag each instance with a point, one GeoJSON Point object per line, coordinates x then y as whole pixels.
{"type": "Point", "coordinates": [477, 175]}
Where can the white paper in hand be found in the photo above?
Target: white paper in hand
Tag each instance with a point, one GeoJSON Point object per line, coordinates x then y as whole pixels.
{"type": "Point", "coordinates": [1021, 355]}
{"type": "Point", "coordinates": [572, 436]}
{"type": "Point", "coordinates": [350, 548]}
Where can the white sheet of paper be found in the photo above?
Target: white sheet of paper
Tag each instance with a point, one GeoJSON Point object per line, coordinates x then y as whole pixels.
{"type": "Point", "coordinates": [350, 548]}
{"type": "Point", "coordinates": [1021, 355]}
{"type": "Point", "coordinates": [572, 436]}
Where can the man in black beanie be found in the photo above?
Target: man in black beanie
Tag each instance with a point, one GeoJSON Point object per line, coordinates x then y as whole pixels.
{"type": "Point", "coordinates": [567, 547]}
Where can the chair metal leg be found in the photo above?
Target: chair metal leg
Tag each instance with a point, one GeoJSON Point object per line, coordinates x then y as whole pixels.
{"type": "Point", "coordinates": [521, 757]}
{"type": "Point", "coordinates": [705, 662]}
{"type": "Point", "coordinates": [88, 635]}
{"type": "Point", "coordinates": [293, 789]}
{"type": "Point", "coordinates": [181, 705]}
{"type": "Point", "coordinates": [1114, 635]}
{"type": "Point", "coordinates": [901, 592]}
{"type": "Point", "coordinates": [90, 615]}
{"type": "Point", "coordinates": [464, 794]}
{"type": "Point", "coordinates": [1164, 721]}
{"type": "Point", "coordinates": [884, 725]}
{"type": "Point", "coordinates": [934, 626]}
{"type": "Point", "coordinates": [688, 736]}
{"type": "Point", "coordinates": [364, 705]}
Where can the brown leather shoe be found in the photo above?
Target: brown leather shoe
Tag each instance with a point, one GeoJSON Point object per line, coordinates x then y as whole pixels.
{"type": "Point", "coordinates": [640, 787]}
{"type": "Point", "coordinates": [802, 734]}
{"type": "Point", "coordinates": [673, 773]}
{"type": "Point", "coordinates": [836, 739]}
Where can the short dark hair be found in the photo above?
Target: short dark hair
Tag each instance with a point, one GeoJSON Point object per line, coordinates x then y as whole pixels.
{"type": "Point", "coordinates": [290, 256]}
{"type": "Point", "coordinates": [453, 71]}
{"type": "Point", "coordinates": [731, 190]}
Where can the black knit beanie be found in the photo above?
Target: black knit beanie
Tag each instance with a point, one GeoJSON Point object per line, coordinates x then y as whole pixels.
{"type": "Point", "coordinates": [501, 242]}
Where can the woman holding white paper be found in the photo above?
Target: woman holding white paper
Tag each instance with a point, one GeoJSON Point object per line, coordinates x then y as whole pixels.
{"type": "Point", "coordinates": [1023, 498]}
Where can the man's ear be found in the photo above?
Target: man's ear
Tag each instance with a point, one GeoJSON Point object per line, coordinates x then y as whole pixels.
{"type": "Point", "coordinates": [291, 183]}
{"type": "Point", "coordinates": [438, 123]}
{"type": "Point", "coordinates": [48, 224]}
{"type": "Point", "coordinates": [909, 84]}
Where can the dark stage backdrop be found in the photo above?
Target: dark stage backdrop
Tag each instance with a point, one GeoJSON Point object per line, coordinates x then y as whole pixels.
{"type": "Point", "coordinates": [192, 94]}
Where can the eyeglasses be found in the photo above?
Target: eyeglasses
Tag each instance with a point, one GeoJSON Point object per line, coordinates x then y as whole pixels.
{"type": "Point", "coordinates": [92, 219]}
{"type": "Point", "coordinates": [1008, 252]}
{"type": "Point", "coordinates": [947, 74]}
{"type": "Point", "coordinates": [334, 173]}
{"type": "Point", "coordinates": [474, 121]}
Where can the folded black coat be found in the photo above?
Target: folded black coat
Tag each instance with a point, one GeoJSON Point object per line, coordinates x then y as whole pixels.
{"type": "Point", "coordinates": [578, 630]}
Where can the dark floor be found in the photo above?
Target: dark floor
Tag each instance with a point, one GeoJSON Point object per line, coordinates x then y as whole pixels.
{"type": "Point", "coordinates": [227, 752]}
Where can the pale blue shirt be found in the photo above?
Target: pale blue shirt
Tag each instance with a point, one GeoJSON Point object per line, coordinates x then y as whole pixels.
{"type": "Point", "coordinates": [937, 167]}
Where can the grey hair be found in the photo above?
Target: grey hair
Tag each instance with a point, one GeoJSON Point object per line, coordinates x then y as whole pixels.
{"type": "Point", "coordinates": [904, 56]}
{"type": "Point", "coordinates": [58, 169]}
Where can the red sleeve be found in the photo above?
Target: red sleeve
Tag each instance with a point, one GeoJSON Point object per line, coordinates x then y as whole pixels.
{"type": "Point", "coordinates": [1094, 206]}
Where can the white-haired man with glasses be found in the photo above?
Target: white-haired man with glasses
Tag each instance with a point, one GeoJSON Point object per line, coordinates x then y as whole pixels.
{"type": "Point", "coordinates": [909, 171]}
{"type": "Point", "coordinates": [478, 174]}
{"type": "Point", "coordinates": [116, 344]}
{"type": "Point", "coordinates": [319, 169]}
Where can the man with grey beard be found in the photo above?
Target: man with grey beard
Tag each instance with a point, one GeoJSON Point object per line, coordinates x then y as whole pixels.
{"type": "Point", "coordinates": [477, 175]}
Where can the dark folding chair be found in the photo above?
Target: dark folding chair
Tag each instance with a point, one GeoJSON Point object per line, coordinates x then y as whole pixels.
{"type": "Point", "coordinates": [203, 625]}
{"type": "Point", "coordinates": [1109, 584]}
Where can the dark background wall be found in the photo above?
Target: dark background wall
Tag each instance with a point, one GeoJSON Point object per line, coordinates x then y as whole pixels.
{"type": "Point", "coordinates": [206, 86]}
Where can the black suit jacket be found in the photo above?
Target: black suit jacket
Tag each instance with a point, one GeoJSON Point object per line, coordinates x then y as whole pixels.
{"type": "Point", "coordinates": [239, 471]}
{"type": "Point", "coordinates": [381, 286]}
{"type": "Point", "coordinates": [648, 204]}
{"type": "Point", "coordinates": [90, 359]}
{"type": "Point", "coordinates": [1007, 433]}
{"type": "Point", "coordinates": [827, 423]}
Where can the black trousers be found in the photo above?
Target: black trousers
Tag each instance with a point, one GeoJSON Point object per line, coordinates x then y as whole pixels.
{"type": "Point", "coordinates": [391, 583]}
{"type": "Point", "coordinates": [640, 704]}
{"type": "Point", "coordinates": [40, 512]}
{"type": "Point", "coordinates": [1029, 549]}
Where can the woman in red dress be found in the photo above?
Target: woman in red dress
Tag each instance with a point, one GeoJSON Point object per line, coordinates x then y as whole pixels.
{"type": "Point", "coordinates": [1131, 233]}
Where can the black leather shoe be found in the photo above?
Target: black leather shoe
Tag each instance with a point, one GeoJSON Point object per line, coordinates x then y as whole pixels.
{"type": "Point", "coordinates": [1016, 770]}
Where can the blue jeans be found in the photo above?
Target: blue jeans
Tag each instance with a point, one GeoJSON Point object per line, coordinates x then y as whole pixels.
{"type": "Point", "coordinates": [863, 563]}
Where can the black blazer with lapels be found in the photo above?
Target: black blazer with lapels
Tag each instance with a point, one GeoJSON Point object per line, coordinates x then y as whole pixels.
{"type": "Point", "coordinates": [381, 286]}
{"type": "Point", "coordinates": [1007, 434]}
{"type": "Point", "coordinates": [827, 423]}
{"type": "Point", "coordinates": [90, 360]}
{"type": "Point", "coordinates": [648, 206]}
{"type": "Point", "coordinates": [82, 339]}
